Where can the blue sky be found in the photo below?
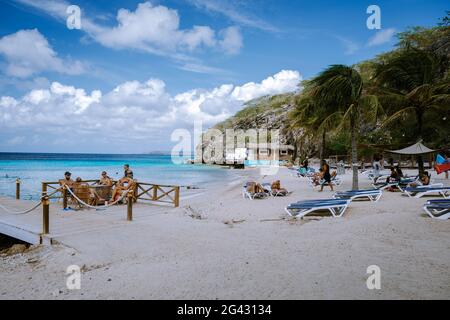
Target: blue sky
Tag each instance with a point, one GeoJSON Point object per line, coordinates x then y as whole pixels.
{"type": "Point", "coordinates": [122, 62]}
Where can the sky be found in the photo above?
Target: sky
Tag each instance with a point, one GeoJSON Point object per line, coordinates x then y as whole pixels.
{"type": "Point", "coordinates": [132, 72]}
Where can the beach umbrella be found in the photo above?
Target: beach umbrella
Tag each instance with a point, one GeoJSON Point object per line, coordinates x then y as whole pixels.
{"type": "Point", "coordinates": [418, 149]}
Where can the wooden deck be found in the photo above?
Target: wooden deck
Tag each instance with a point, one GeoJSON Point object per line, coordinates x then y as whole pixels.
{"type": "Point", "coordinates": [28, 227]}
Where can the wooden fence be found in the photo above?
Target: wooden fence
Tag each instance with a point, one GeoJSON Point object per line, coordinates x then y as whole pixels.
{"type": "Point", "coordinates": [143, 191]}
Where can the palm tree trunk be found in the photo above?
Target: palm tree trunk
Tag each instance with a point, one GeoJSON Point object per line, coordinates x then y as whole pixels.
{"type": "Point", "coordinates": [353, 133]}
{"type": "Point", "coordinates": [421, 165]}
{"type": "Point", "coordinates": [419, 116]}
{"type": "Point", "coordinates": [322, 146]}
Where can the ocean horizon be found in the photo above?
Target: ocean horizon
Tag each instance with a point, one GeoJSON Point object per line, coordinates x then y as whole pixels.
{"type": "Point", "coordinates": [34, 168]}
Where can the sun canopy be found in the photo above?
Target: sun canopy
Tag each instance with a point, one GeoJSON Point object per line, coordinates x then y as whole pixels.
{"type": "Point", "coordinates": [417, 148]}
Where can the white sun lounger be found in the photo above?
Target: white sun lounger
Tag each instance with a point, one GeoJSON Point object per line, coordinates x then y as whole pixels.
{"type": "Point", "coordinates": [274, 193]}
{"type": "Point", "coordinates": [422, 191]}
{"type": "Point", "coordinates": [336, 207]}
{"type": "Point", "coordinates": [431, 185]}
{"type": "Point", "coordinates": [438, 209]}
{"type": "Point", "coordinates": [383, 186]}
{"type": "Point", "coordinates": [403, 182]}
{"type": "Point", "coordinates": [335, 181]}
{"type": "Point", "coordinates": [372, 194]}
{"type": "Point", "coordinates": [253, 196]}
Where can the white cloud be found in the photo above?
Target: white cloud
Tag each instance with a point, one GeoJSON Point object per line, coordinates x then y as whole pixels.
{"type": "Point", "coordinates": [381, 37]}
{"type": "Point", "coordinates": [232, 41]}
{"type": "Point", "coordinates": [131, 114]}
{"type": "Point", "coordinates": [284, 81]}
{"type": "Point", "coordinates": [234, 12]}
{"type": "Point", "coordinates": [77, 98]}
{"type": "Point", "coordinates": [150, 28]}
{"type": "Point", "coordinates": [28, 52]}
{"type": "Point", "coordinates": [8, 102]}
{"type": "Point", "coordinates": [37, 96]}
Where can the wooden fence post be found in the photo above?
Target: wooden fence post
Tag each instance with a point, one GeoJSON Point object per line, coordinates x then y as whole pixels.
{"type": "Point", "coordinates": [130, 205]}
{"type": "Point", "coordinates": [177, 197]}
{"type": "Point", "coordinates": [17, 188]}
{"type": "Point", "coordinates": [45, 210]}
{"type": "Point", "coordinates": [155, 192]}
{"type": "Point", "coordinates": [64, 194]}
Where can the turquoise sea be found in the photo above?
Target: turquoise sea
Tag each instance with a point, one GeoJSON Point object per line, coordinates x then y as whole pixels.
{"type": "Point", "coordinates": [34, 168]}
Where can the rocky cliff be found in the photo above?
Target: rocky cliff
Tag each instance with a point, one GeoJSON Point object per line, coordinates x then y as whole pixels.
{"type": "Point", "coordinates": [269, 112]}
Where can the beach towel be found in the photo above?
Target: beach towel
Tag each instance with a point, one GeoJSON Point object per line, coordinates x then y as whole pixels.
{"type": "Point", "coordinates": [442, 168]}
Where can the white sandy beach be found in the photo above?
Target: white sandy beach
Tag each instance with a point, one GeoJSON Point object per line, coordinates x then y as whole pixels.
{"type": "Point", "coordinates": [171, 255]}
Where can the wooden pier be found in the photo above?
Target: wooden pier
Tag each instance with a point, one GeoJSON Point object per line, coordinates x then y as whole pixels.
{"type": "Point", "coordinates": [50, 221]}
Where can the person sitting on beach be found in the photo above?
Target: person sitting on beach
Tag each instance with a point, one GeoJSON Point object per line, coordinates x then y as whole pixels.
{"type": "Point", "coordinates": [393, 177]}
{"type": "Point", "coordinates": [305, 164]}
{"type": "Point", "coordinates": [424, 180]}
{"type": "Point", "coordinates": [254, 187]}
{"type": "Point", "coordinates": [399, 171]}
{"type": "Point", "coordinates": [128, 173]}
{"type": "Point", "coordinates": [277, 189]}
{"type": "Point", "coordinates": [123, 184]}
{"type": "Point", "coordinates": [105, 180]}
{"type": "Point", "coordinates": [78, 182]}
{"type": "Point", "coordinates": [326, 176]}
{"type": "Point", "coordinates": [82, 190]}
{"type": "Point", "coordinates": [67, 181]}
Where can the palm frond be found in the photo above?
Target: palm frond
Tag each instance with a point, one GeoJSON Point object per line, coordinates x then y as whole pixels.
{"type": "Point", "coordinates": [398, 114]}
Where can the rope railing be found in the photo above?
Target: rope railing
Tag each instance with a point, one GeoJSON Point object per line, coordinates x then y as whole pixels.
{"type": "Point", "coordinates": [28, 210]}
{"type": "Point", "coordinates": [133, 194]}
{"type": "Point", "coordinates": [104, 207]}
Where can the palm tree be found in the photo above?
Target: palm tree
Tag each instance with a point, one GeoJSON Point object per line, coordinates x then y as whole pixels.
{"type": "Point", "coordinates": [314, 118]}
{"type": "Point", "coordinates": [414, 83]}
{"type": "Point", "coordinates": [342, 86]}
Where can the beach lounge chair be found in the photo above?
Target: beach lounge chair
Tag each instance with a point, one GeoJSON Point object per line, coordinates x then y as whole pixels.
{"type": "Point", "coordinates": [404, 182]}
{"type": "Point", "coordinates": [419, 192]}
{"type": "Point", "coordinates": [302, 172]}
{"type": "Point", "coordinates": [335, 181]}
{"type": "Point", "coordinates": [371, 194]}
{"type": "Point", "coordinates": [274, 192]}
{"type": "Point", "coordinates": [431, 185]}
{"type": "Point", "coordinates": [336, 207]}
{"type": "Point", "coordinates": [384, 185]}
{"type": "Point", "coordinates": [438, 209]}
{"type": "Point", "coordinates": [376, 180]}
{"type": "Point", "coordinates": [247, 192]}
